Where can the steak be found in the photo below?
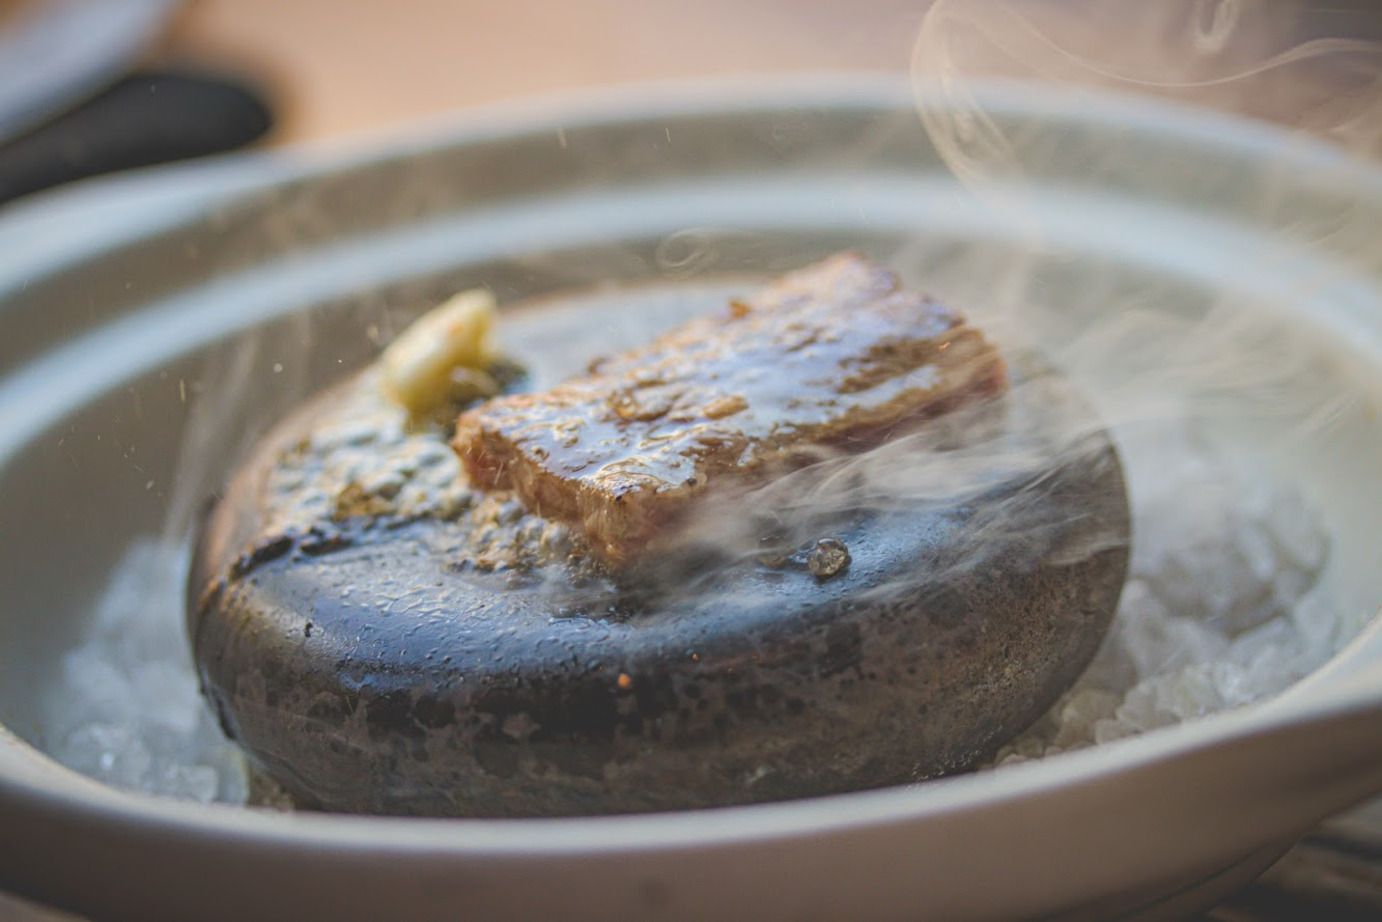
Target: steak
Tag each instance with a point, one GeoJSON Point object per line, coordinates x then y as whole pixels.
{"type": "Point", "coordinates": [833, 355]}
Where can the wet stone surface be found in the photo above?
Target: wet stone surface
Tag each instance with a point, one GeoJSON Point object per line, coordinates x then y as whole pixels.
{"type": "Point", "coordinates": [380, 637]}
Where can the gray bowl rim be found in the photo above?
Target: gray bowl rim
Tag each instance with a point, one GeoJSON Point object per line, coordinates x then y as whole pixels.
{"type": "Point", "coordinates": [156, 200]}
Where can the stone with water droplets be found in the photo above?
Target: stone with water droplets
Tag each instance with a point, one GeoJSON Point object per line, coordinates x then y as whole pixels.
{"type": "Point", "coordinates": [793, 668]}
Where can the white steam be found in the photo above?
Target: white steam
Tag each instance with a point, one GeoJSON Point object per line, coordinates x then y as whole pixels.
{"type": "Point", "coordinates": [1146, 350]}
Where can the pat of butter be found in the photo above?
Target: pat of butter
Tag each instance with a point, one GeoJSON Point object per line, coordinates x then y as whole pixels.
{"type": "Point", "coordinates": [417, 366]}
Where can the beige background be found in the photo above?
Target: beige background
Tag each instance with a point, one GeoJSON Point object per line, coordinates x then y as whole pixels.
{"type": "Point", "coordinates": [344, 67]}
{"type": "Point", "coordinates": [340, 68]}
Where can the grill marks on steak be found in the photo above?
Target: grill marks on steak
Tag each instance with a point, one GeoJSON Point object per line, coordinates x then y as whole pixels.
{"type": "Point", "coordinates": [834, 354]}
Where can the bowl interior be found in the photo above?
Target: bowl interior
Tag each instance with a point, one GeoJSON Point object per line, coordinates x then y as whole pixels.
{"type": "Point", "coordinates": [135, 374]}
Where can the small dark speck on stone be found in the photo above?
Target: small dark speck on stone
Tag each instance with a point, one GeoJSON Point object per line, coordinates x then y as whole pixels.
{"type": "Point", "coordinates": [828, 557]}
{"type": "Point", "coordinates": [263, 551]}
{"type": "Point", "coordinates": [320, 541]}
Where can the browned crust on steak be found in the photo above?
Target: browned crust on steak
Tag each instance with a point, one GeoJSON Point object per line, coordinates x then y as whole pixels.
{"type": "Point", "coordinates": [831, 355]}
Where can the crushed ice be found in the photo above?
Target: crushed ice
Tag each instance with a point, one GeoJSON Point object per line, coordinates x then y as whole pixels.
{"type": "Point", "coordinates": [1223, 607]}
{"type": "Point", "coordinates": [1223, 604]}
{"type": "Point", "coordinates": [125, 708]}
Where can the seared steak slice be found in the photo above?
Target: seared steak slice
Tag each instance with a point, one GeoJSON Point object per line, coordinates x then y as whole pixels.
{"type": "Point", "coordinates": [831, 355]}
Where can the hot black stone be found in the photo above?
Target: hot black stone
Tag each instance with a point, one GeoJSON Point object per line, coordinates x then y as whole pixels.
{"type": "Point", "coordinates": [378, 676]}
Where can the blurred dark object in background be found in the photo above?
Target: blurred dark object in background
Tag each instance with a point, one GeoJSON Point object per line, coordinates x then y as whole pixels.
{"type": "Point", "coordinates": [73, 105]}
{"type": "Point", "coordinates": [143, 119]}
{"type": "Point", "coordinates": [1355, 19]}
{"type": "Point", "coordinates": [55, 53]}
